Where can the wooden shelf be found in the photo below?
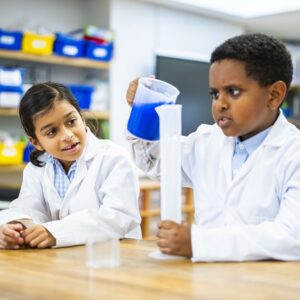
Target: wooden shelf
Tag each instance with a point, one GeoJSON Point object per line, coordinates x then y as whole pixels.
{"type": "Point", "coordinates": [102, 115]}
{"type": "Point", "coordinates": [12, 168]}
{"type": "Point", "coordinates": [148, 186]}
{"type": "Point", "coordinates": [156, 212]}
{"type": "Point", "coordinates": [55, 60]}
{"type": "Point", "coordinates": [10, 186]}
{"type": "Point", "coordinates": [9, 112]}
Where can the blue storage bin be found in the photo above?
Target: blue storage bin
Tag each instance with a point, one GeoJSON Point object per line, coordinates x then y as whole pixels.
{"type": "Point", "coordinates": [28, 149]}
{"type": "Point", "coordinates": [83, 94]}
{"type": "Point", "coordinates": [10, 96]}
{"type": "Point", "coordinates": [12, 77]}
{"type": "Point", "coordinates": [12, 89]}
{"type": "Point", "coordinates": [10, 40]}
{"type": "Point", "coordinates": [66, 45]}
{"type": "Point", "coordinates": [98, 51]}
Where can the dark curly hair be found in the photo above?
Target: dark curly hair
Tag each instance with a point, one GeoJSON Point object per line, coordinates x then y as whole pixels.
{"type": "Point", "coordinates": [266, 59]}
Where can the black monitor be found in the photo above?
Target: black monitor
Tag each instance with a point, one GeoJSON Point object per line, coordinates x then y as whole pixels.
{"type": "Point", "coordinates": [191, 79]}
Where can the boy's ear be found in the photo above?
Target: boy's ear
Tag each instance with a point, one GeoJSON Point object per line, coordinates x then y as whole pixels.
{"type": "Point", "coordinates": [35, 143]}
{"type": "Point", "coordinates": [277, 93]}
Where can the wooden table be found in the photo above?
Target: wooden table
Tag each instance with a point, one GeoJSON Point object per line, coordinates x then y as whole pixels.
{"type": "Point", "coordinates": [62, 274]}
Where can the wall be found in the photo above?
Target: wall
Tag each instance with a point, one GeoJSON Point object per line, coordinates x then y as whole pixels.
{"type": "Point", "coordinates": [143, 29]}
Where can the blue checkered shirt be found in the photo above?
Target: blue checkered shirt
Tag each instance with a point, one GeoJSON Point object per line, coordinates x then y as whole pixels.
{"type": "Point", "coordinates": [61, 179]}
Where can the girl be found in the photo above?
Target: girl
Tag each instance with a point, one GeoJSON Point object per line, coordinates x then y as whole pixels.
{"type": "Point", "coordinates": [76, 187]}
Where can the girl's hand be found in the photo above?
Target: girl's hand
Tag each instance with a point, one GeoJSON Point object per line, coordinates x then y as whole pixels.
{"type": "Point", "coordinates": [10, 236]}
{"type": "Point", "coordinates": [37, 236]}
{"type": "Point", "coordinates": [174, 238]}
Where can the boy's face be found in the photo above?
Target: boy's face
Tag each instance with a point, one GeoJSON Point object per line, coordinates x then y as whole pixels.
{"type": "Point", "coordinates": [240, 106]}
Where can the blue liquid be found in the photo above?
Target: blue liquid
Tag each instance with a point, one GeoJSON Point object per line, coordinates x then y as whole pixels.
{"type": "Point", "coordinates": [144, 120]}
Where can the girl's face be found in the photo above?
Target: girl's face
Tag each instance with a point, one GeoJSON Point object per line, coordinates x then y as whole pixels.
{"type": "Point", "coordinates": [240, 106]}
{"type": "Point", "coordinates": [60, 132]}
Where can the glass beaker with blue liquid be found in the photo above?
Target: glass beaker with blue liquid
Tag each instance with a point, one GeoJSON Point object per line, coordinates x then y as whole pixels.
{"type": "Point", "coordinates": [144, 121]}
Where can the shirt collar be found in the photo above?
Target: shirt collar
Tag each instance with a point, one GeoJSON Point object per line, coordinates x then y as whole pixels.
{"type": "Point", "coordinates": [57, 164]}
{"type": "Point", "coordinates": [254, 142]}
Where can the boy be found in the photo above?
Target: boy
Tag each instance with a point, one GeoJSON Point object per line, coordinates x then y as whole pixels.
{"type": "Point", "coordinates": [244, 169]}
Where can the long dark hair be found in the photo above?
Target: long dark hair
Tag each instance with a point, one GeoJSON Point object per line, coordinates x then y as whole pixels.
{"type": "Point", "coordinates": [40, 98]}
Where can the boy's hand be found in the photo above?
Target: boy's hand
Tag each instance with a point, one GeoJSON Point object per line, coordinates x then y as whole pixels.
{"type": "Point", "coordinates": [131, 91]}
{"type": "Point", "coordinates": [10, 236]}
{"type": "Point", "coordinates": [37, 236]}
{"type": "Point", "coordinates": [174, 238]}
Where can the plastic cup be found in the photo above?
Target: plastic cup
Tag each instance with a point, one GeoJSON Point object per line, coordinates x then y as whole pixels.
{"type": "Point", "coordinates": [103, 253]}
{"type": "Point", "coordinates": [144, 121]}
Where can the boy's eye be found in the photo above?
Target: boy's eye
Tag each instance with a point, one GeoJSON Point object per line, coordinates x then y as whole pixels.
{"type": "Point", "coordinates": [234, 92]}
{"type": "Point", "coordinates": [214, 95]}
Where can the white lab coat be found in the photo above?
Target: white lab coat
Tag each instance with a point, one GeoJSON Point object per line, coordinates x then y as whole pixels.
{"type": "Point", "coordinates": [254, 216]}
{"type": "Point", "coordinates": [102, 199]}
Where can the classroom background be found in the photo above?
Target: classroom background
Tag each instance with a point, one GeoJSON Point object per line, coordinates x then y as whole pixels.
{"type": "Point", "coordinates": [97, 47]}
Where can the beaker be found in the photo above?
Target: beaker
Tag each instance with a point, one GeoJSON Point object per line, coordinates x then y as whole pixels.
{"type": "Point", "coordinates": [144, 121]}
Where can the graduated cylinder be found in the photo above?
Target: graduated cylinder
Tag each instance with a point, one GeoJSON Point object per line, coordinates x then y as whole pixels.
{"type": "Point", "coordinates": [170, 154]}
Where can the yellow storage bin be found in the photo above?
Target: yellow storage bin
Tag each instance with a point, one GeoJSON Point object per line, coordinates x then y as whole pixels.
{"type": "Point", "coordinates": [11, 153]}
{"type": "Point", "coordinates": [37, 44]}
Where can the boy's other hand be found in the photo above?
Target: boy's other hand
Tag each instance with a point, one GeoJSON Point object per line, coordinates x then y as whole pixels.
{"type": "Point", "coordinates": [10, 236]}
{"type": "Point", "coordinates": [174, 238]}
{"type": "Point", "coordinates": [37, 236]}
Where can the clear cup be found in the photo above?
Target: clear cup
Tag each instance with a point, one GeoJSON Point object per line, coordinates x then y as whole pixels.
{"type": "Point", "coordinates": [144, 121]}
{"type": "Point", "coordinates": [103, 253]}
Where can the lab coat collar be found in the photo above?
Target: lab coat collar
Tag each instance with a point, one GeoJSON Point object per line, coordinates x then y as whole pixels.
{"type": "Point", "coordinates": [278, 132]}
{"type": "Point", "coordinates": [90, 150]}
{"type": "Point", "coordinates": [227, 153]}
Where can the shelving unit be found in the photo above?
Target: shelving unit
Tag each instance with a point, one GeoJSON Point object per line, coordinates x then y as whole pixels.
{"type": "Point", "coordinates": [54, 59]}
{"type": "Point", "coordinates": [147, 187]}
{"type": "Point", "coordinates": [10, 176]}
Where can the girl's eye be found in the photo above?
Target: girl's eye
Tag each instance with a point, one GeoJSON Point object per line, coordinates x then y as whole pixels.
{"type": "Point", "coordinates": [51, 132]}
{"type": "Point", "coordinates": [234, 92]}
{"type": "Point", "coordinates": [72, 121]}
{"type": "Point", "coordinates": [214, 95]}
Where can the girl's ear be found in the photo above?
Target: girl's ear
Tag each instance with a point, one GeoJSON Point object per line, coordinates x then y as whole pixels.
{"type": "Point", "coordinates": [36, 143]}
{"type": "Point", "coordinates": [277, 92]}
